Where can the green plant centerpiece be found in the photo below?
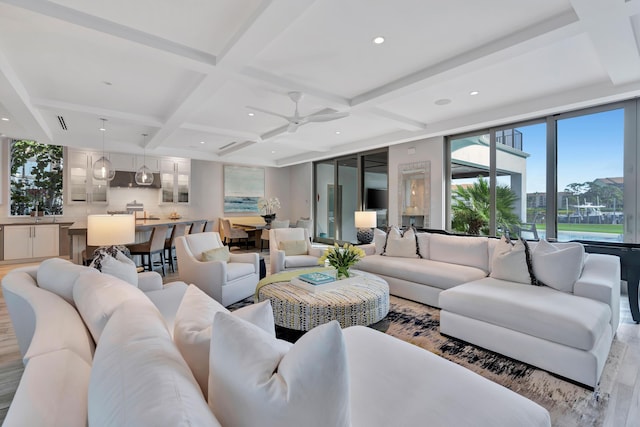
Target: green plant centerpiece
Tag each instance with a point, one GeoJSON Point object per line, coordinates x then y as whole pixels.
{"type": "Point", "coordinates": [341, 258]}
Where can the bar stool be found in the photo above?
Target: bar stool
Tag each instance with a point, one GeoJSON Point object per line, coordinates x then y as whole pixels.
{"type": "Point", "coordinates": [169, 243]}
{"type": "Point", "coordinates": [197, 227]}
{"type": "Point", "coordinates": [155, 245]}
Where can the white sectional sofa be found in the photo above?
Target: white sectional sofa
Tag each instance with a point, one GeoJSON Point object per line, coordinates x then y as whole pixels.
{"type": "Point", "coordinates": [135, 374]}
{"type": "Point", "coordinates": [566, 329]}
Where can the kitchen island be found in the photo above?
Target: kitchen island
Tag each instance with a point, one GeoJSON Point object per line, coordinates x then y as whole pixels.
{"type": "Point", "coordinates": [78, 233]}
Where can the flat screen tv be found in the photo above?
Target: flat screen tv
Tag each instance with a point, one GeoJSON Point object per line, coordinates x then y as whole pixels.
{"type": "Point", "coordinates": [376, 198]}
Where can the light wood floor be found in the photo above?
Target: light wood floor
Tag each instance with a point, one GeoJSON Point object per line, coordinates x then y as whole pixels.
{"type": "Point", "coordinates": [623, 410]}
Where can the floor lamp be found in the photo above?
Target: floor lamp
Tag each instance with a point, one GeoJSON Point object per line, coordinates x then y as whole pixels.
{"type": "Point", "coordinates": [365, 222]}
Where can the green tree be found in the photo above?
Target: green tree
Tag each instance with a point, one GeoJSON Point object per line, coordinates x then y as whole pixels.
{"type": "Point", "coordinates": [471, 208]}
{"type": "Point", "coordinates": [36, 176]}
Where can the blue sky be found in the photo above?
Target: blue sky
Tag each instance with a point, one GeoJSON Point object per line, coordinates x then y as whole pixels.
{"type": "Point", "coordinates": [589, 147]}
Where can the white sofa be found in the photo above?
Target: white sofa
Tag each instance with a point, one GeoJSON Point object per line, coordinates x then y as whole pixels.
{"type": "Point", "coordinates": [566, 332]}
{"type": "Point", "coordinates": [135, 374]}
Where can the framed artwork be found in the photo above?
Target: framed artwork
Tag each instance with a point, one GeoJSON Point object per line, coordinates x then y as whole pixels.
{"type": "Point", "coordinates": [243, 187]}
{"type": "Point", "coordinates": [414, 194]}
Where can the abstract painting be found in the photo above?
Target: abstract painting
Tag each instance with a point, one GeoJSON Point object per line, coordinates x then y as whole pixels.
{"type": "Point", "coordinates": [243, 187]}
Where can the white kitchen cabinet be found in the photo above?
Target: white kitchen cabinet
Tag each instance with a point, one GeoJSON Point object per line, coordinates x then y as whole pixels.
{"type": "Point", "coordinates": [82, 187]}
{"type": "Point", "coordinates": [175, 175]}
{"type": "Point", "coordinates": [31, 241]}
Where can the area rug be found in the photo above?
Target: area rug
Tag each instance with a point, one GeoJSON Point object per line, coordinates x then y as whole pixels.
{"type": "Point", "coordinates": [569, 404]}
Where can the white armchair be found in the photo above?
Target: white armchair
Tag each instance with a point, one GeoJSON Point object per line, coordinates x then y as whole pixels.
{"type": "Point", "coordinates": [280, 261]}
{"type": "Point", "coordinates": [226, 282]}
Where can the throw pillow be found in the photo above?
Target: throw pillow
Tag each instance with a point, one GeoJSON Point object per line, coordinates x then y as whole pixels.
{"type": "Point", "coordinates": [109, 260]}
{"type": "Point", "coordinates": [216, 254]}
{"type": "Point", "coordinates": [558, 266]}
{"type": "Point", "coordinates": [403, 245]}
{"type": "Point", "coordinates": [192, 328]}
{"type": "Point", "coordinates": [139, 378]}
{"type": "Point", "coordinates": [379, 240]}
{"type": "Point", "coordinates": [510, 262]}
{"type": "Point", "coordinates": [293, 247]}
{"type": "Point", "coordinates": [304, 384]}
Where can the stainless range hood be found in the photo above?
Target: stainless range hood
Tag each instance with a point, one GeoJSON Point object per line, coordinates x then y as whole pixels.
{"type": "Point", "coordinates": [125, 179]}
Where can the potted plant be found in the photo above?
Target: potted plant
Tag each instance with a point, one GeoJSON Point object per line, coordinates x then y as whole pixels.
{"type": "Point", "coordinates": [267, 208]}
{"type": "Point", "coordinates": [341, 258]}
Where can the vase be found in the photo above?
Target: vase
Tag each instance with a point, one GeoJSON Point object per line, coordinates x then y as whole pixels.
{"type": "Point", "coordinates": [268, 218]}
{"type": "Point", "coordinates": [342, 273]}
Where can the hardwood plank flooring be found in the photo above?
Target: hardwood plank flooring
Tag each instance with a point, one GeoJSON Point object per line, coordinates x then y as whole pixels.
{"type": "Point", "coordinates": [623, 410]}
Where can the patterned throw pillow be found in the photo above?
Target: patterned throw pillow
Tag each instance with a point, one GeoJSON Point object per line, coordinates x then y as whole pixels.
{"type": "Point", "coordinates": [401, 244]}
{"type": "Point", "coordinates": [114, 260]}
{"type": "Point", "coordinates": [509, 262]}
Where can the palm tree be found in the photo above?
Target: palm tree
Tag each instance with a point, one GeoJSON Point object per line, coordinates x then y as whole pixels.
{"type": "Point", "coordinates": [471, 209]}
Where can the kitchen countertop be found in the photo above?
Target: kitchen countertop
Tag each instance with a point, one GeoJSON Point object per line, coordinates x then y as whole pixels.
{"type": "Point", "coordinates": [80, 227]}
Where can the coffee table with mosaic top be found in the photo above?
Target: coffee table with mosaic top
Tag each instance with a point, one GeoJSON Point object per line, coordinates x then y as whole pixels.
{"type": "Point", "coordinates": [362, 299]}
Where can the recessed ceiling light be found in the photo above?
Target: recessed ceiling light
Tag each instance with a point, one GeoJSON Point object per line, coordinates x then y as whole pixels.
{"type": "Point", "coordinates": [251, 114]}
{"type": "Point", "coordinates": [201, 142]}
{"type": "Point", "coordinates": [443, 101]}
{"type": "Point", "coordinates": [273, 151]}
{"type": "Point", "coordinates": [378, 40]}
{"type": "Point", "coordinates": [102, 129]}
{"type": "Point", "coordinates": [338, 132]}
{"type": "Point", "coordinates": [5, 119]}
{"type": "Point", "coordinates": [474, 93]}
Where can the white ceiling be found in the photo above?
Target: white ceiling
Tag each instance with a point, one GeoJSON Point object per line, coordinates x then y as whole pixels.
{"type": "Point", "coordinates": [185, 72]}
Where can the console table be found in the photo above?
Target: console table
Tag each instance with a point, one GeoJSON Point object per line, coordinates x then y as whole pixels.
{"type": "Point", "coordinates": [629, 254]}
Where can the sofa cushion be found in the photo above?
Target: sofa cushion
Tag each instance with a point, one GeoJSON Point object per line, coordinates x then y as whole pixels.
{"type": "Point", "coordinates": [139, 377]}
{"type": "Point", "coordinates": [216, 254]}
{"type": "Point", "coordinates": [98, 295]}
{"type": "Point", "coordinates": [423, 245]}
{"type": "Point", "coordinates": [192, 330]}
{"type": "Point", "coordinates": [383, 369]}
{"type": "Point", "coordinates": [167, 300]}
{"type": "Point", "coordinates": [471, 251]}
{"type": "Point", "coordinates": [558, 266]}
{"type": "Point", "coordinates": [297, 261]}
{"type": "Point", "coordinates": [404, 245]}
{"type": "Point", "coordinates": [509, 262]}
{"type": "Point", "coordinates": [551, 315]}
{"type": "Point", "coordinates": [58, 275]}
{"type": "Point", "coordinates": [254, 381]}
{"type": "Point", "coordinates": [52, 392]}
{"type": "Point", "coordinates": [426, 272]}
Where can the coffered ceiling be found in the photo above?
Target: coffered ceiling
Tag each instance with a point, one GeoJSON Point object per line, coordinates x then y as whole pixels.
{"type": "Point", "coordinates": [186, 72]}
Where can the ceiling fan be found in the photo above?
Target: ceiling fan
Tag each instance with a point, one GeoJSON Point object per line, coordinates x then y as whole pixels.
{"type": "Point", "coordinates": [296, 120]}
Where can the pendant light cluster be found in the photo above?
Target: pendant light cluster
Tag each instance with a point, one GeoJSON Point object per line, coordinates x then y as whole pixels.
{"type": "Point", "coordinates": [144, 176]}
{"type": "Point", "coordinates": [103, 169]}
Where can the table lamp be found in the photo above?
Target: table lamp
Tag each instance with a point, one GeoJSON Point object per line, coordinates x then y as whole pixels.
{"type": "Point", "coordinates": [110, 230]}
{"type": "Point", "coordinates": [365, 222]}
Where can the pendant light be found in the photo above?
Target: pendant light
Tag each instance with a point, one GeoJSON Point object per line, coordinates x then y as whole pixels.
{"type": "Point", "coordinates": [102, 168]}
{"type": "Point", "coordinates": [144, 176]}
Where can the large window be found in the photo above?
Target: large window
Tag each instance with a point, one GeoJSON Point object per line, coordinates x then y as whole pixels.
{"type": "Point", "coordinates": [561, 177]}
{"type": "Point", "coordinates": [345, 185]}
{"type": "Point", "coordinates": [36, 178]}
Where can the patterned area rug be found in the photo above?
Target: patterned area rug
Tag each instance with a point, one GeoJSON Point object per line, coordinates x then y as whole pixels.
{"type": "Point", "coordinates": [569, 404]}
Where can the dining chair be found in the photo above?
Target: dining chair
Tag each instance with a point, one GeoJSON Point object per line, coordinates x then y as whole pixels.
{"type": "Point", "coordinates": [155, 245]}
{"type": "Point", "coordinates": [197, 227]}
{"type": "Point", "coordinates": [231, 233]}
{"type": "Point", "coordinates": [276, 223]}
{"type": "Point", "coordinates": [178, 229]}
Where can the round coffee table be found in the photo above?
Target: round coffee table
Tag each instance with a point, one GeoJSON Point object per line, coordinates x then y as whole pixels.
{"type": "Point", "coordinates": [362, 299]}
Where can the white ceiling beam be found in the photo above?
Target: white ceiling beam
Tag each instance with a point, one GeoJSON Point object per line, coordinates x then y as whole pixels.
{"type": "Point", "coordinates": [187, 56]}
{"type": "Point", "coordinates": [59, 107]}
{"type": "Point", "coordinates": [16, 100]}
{"type": "Point", "coordinates": [609, 27]}
{"type": "Point", "coordinates": [402, 121]}
{"type": "Point", "coordinates": [539, 35]}
{"type": "Point", "coordinates": [220, 131]}
{"type": "Point", "coordinates": [235, 147]}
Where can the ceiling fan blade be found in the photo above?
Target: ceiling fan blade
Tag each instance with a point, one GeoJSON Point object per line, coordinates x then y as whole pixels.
{"type": "Point", "coordinates": [273, 133]}
{"type": "Point", "coordinates": [268, 112]}
{"type": "Point", "coordinates": [326, 117]}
